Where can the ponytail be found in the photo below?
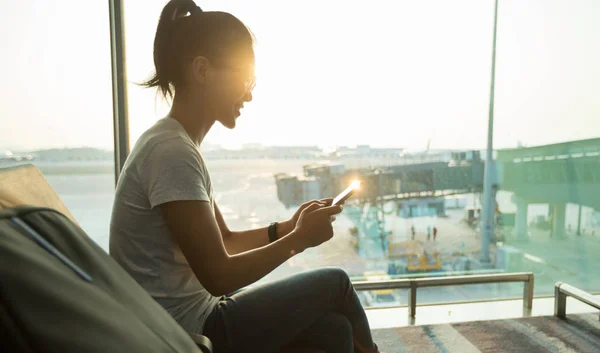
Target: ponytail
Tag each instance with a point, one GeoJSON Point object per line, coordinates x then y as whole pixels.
{"type": "Point", "coordinates": [165, 48]}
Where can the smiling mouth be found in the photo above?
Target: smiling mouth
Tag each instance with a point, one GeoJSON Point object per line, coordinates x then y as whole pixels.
{"type": "Point", "coordinates": [237, 110]}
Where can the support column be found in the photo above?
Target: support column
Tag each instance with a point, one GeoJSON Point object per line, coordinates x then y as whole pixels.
{"type": "Point", "coordinates": [558, 220]}
{"type": "Point", "coordinates": [521, 219]}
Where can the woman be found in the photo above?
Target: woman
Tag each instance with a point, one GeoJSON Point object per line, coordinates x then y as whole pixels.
{"type": "Point", "coordinates": [168, 233]}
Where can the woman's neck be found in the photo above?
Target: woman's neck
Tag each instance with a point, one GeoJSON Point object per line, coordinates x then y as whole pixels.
{"type": "Point", "coordinates": [192, 115]}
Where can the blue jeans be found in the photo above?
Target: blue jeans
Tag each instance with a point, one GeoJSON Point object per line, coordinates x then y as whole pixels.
{"type": "Point", "coordinates": [317, 309]}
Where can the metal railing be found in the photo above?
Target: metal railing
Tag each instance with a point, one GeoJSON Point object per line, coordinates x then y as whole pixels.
{"type": "Point", "coordinates": [413, 283]}
{"type": "Point", "coordinates": [563, 290]}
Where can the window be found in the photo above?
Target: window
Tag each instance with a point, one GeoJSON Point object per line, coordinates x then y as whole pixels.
{"type": "Point", "coordinates": [395, 94]}
{"type": "Point", "coordinates": [55, 106]}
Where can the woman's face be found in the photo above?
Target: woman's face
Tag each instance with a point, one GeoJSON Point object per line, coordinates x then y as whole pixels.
{"type": "Point", "coordinates": [229, 85]}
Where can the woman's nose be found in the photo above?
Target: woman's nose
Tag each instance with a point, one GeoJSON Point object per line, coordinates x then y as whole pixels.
{"type": "Point", "coordinates": [248, 96]}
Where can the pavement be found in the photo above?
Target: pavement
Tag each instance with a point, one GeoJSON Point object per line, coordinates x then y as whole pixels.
{"type": "Point", "coordinates": [572, 259]}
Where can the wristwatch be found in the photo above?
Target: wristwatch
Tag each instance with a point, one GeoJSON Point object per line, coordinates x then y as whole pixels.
{"type": "Point", "coordinates": [272, 230]}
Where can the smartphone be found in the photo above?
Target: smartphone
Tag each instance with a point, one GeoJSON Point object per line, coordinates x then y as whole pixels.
{"type": "Point", "coordinates": [344, 195]}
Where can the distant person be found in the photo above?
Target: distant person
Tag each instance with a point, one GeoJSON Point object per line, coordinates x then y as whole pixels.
{"type": "Point", "coordinates": [167, 230]}
{"type": "Point", "coordinates": [428, 233]}
{"type": "Point", "coordinates": [435, 230]}
{"type": "Point", "coordinates": [412, 231]}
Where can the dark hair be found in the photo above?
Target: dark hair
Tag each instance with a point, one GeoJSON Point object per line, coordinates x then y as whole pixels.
{"type": "Point", "coordinates": [185, 31]}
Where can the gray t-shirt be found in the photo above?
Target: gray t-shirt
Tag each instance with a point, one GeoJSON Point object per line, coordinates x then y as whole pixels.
{"type": "Point", "coordinates": [165, 165]}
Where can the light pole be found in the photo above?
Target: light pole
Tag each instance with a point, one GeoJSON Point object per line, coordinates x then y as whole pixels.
{"type": "Point", "coordinates": [489, 206]}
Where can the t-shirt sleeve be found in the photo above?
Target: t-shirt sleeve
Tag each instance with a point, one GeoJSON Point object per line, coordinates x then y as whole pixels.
{"type": "Point", "coordinates": [174, 171]}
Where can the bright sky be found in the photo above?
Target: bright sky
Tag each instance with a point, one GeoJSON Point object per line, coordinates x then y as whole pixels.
{"type": "Point", "coordinates": [330, 72]}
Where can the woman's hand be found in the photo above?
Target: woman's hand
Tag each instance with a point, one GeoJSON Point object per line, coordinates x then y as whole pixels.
{"type": "Point", "coordinates": [291, 223]}
{"type": "Point", "coordinates": [286, 227]}
{"type": "Point", "coordinates": [314, 224]}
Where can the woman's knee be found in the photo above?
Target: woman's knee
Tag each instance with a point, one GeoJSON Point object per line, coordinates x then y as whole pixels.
{"type": "Point", "coordinates": [338, 277]}
{"type": "Point", "coordinates": [334, 275]}
{"type": "Point", "coordinates": [329, 284]}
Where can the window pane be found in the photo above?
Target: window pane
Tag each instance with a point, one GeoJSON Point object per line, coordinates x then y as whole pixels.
{"type": "Point", "coordinates": [403, 87]}
{"type": "Point", "coordinates": [547, 93]}
{"type": "Point", "coordinates": [56, 102]}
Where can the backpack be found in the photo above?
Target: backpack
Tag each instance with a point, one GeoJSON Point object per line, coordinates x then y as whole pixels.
{"type": "Point", "coordinates": [60, 292]}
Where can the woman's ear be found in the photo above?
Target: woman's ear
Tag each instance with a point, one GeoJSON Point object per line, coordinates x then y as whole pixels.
{"type": "Point", "coordinates": [200, 67]}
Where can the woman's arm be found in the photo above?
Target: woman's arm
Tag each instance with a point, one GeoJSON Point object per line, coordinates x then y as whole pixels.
{"type": "Point", "coordinates": [195, 230]}
{"type": "Point", "coordinates": [240, 241]}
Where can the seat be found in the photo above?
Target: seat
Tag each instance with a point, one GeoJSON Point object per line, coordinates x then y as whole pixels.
{"type": "Point", "coordinates": [25, 185]}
